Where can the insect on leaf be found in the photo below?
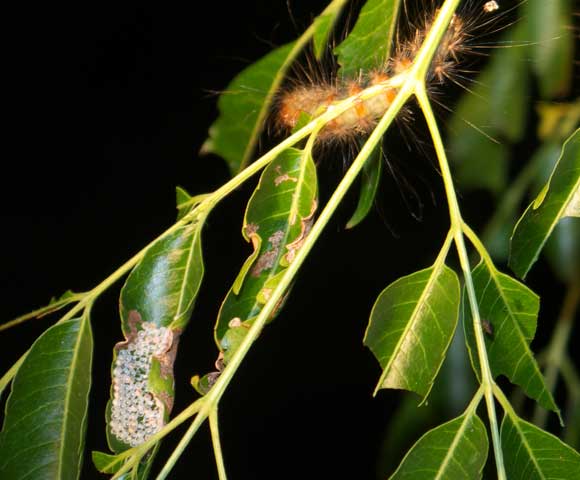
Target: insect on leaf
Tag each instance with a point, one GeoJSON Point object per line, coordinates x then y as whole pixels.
{"type": "Point", "coordinates": [511, 309]}
{"type": "Point", "coordinates": [44, 427]}
{"type": "Point", "coordinates": [411, 326]}
{"type": "Point", "coordinates": [373, 33]}
{"type": "Point", "coordinates": [248, 98]}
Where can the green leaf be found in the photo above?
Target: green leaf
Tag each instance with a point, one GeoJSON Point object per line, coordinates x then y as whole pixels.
{"type": "Point", "coordinates": [558, 199]}
{"type": "Point", "coordinates": [45, 422]}
{"type": "Point", "coordinates": [531, 453]}
{"type": "Point", "coordinates": [499, 229]}
{"type": "Point", "coordinates": [411, 326]}
{"type": "Point", "coordinates": [163, 287]}
{"type": "Point", "coordinates": [500, 96]}
{"type": "Point", "coordinates": [185, 202]}
{"type": "Point", "coordinates": [106, 463]}
{"type": "Point", "coordinates": [368, 45]}
{"type": "Point", "coordinates": [370, 179]}
{"type": "Point", "coordinates": [155, 303]}
{"type": "Point", "coordinates": [54, 305]}
{"type": "Point", "coordinates": [277, 220]}
{"type": "Point", "coordinates": [245, 104]}
{"type": "Point", "coordinates": [323, 25]}
{"type": "Point", "coordinates": [243, 108]}
{"type": "Point", "coordinates": [511, 309]}
{"type": "Point", "coordinates": [455, 450]}
{"type": "Point", "coordinates": [552, 45]}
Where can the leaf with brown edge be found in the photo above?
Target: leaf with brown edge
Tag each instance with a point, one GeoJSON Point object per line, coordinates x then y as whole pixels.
{"type": "Point", "coordinates": [277, 220]}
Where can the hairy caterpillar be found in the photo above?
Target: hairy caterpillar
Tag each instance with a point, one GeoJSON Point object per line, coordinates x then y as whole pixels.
{"type": "Point", "coordinates": [313, 99]}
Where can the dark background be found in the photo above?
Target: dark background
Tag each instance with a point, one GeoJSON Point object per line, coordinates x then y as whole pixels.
{"type": "Point", "coordinates": [107, 107]}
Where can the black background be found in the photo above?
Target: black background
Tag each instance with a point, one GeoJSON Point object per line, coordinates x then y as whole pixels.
{"type": "Point", "coordinates": [107, 106]}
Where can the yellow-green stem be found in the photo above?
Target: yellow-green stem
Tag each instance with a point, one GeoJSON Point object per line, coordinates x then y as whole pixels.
{"type": "Point", "coordinates": [407, 88]}
{"type": "Point", "coordinates": [43, 311]}
{"type": "Point", "coordinates": [487, 381]}
{"type": "Point", "coordinates": [214, 395]}
{"type": "Point", "coordinates": [217, 448]}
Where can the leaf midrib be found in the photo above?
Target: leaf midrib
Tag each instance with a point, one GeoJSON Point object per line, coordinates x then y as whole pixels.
{"type": "Point", "coordinates": [437, 267]}
{"type": "Point", "coordinates": [493, 273]}
{"type": "Point", "coordinates": [456, 439]}
{"type": "Point", "coordinates": [82, 326]}
{"type": "Point", "coordinates": [188, 267]}
{"type": "Point", "coordinates": [527, 446]}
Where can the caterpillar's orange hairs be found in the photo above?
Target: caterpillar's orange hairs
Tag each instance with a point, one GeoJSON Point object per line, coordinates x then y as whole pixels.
{"type": "Point", "coordinates": [312, 100]}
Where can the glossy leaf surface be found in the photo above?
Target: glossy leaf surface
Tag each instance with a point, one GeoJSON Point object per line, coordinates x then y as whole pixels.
{"type": "Point", "coordinates": [511, 309]}
{"type": "Point", "coordinates": [411, 326]}
{"type": "Point", "coordinates": [455, 450]}
{"type": "Point", "coordinates": [278, 218]}
{"type": "Point", "coordinates": [532, 454]}
{"type": "Point", "coordinates": [558, 199]}
{"type": "Point", "coordinates": [45, 422]}
{"type": "Point", "coordinates": [158, 296]}
{"type": "Point", "coordinates": [164, 285]}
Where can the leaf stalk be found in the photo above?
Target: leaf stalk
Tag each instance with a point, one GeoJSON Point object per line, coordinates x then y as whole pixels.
{"type": "Point", "coordinates": [457, 224]}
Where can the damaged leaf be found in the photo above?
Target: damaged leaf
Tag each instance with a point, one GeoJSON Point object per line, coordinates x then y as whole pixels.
{"type": "Point", "coordinates": [511, 309]}
{"type": "Point", "coordinates": [155, 304]}
{"type": "Point", "coordinates": [277, 220]}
